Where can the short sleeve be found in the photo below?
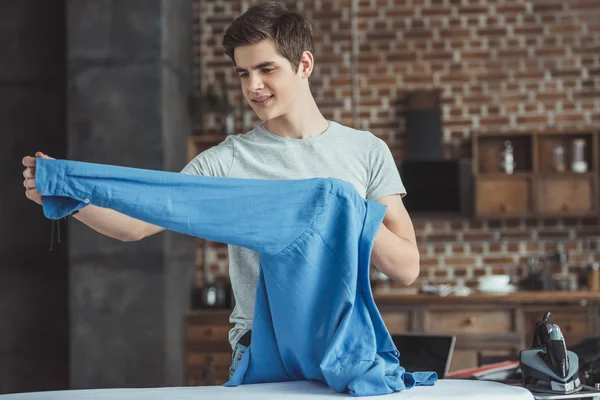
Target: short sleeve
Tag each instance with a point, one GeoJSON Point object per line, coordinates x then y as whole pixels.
{"type": "Point", "coordinates": [215, 161]}
{"type": "Point", "coordinates": [384, 177]}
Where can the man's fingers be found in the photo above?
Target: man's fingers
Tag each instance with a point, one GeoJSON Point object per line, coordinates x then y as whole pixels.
{"type": "Point", "coordinates": [29, 161]}
{"type": "Point", "coordinates": [29, 173]}
{"type": "Point", "coordinates": [34, 195]}
{"type": "Point", "coordinates": [42, 155]}
{"type": "Point", "coordinates": [29, 183]}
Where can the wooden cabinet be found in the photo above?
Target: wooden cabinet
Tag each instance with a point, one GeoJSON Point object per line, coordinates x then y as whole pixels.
{"type": "Point", "coordinates": [207, 349]}
{"type": "Point", "coordinates": [571, 194]}
{"type": "Point", "coordinates": [544, 182]}
{"type": "Point", "coordinates": [503, 196]}
{"type": "Point", "coordinates": [399, 321]}
{"type": "Point", "coordinates": [490, 328]}
{"type": "Point", "coordinates": [484, 319]}
{"type": "Point", "coordinates": [487, 327]}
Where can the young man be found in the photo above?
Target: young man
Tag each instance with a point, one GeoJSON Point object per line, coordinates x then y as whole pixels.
{"type": "Point", "coordinates": [272, 51]}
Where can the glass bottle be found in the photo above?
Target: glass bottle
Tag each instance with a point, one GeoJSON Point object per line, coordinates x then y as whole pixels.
{"type": "Point", "coordinates": [508, 158]}
{"type": "Point", "coordinates": [579, 164]}
{"type": "Point", "coordinates": [558, 158]}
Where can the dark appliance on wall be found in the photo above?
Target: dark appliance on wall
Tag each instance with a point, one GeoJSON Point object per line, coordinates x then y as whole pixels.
{"type": "Point", "coordinates": [435, 185]}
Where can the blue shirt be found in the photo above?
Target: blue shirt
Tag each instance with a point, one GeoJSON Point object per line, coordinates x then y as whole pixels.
{"type": "Point", "coordinates": [315, 317]}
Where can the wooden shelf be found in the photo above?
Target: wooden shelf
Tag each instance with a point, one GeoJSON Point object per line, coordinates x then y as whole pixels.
{"type": "Point", "coordinates": [535, 188]}
{"type": "Point", "coordinates": [566, 175]}
{"type": "Point", "coordinates": [500, 175]}
{"type": "Point", "coordinates": [540, 131]}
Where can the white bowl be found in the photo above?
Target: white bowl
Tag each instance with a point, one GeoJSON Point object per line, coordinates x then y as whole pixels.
{"type": "Point", "coordinates": [494, 281]}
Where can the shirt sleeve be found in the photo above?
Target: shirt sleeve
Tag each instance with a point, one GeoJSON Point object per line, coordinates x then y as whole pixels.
{"type": "Point", "coordinates": [262, 215]}
{"type": "Point", "coordinates": [215, 161]}
{"type": "Point", "coordinates": [384, 177]}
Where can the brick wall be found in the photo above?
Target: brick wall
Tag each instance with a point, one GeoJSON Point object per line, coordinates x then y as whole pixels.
{"type": "Point", "coordinates": [501, 64]}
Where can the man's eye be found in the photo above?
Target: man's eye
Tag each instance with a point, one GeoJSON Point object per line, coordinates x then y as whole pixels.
{"type": "Point", "coordinates": [268, 70]}
{"type": "Point", "coordinates": [243, 75]}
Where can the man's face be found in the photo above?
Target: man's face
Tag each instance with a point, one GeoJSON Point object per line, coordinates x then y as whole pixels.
{"type": "Point", "coordinates": [269, 83]}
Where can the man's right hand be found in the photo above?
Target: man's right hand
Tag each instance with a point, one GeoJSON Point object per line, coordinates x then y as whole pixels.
{"type": "Point", "coordinates": [103, 220]}
{"type": "Point", "coordinates": [29, 174]}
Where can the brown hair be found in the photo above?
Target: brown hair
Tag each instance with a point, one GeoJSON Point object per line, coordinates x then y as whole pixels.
{"type": "Point", "coordinates": [290, 31]}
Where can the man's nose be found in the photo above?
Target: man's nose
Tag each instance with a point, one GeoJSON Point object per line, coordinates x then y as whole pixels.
{"type": "Point", "coordinates": [255, 83]}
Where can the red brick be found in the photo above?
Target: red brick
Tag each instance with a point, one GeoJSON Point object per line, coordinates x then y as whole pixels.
{"type": "Point", "coordinates": [378, 80]}
{"type": "Point", "coordinates": [545, 234]}
{"type": "Point", "coordinates": [529, 75]}
{"type": "Point", "coordinates": [436, 11]}
{"type": "Point", "coordinates": [342, 81]}
{"type": "Point", "coordinates": [436, 22]}
{"type": "Point", "coordinates": [454, 22]}
{"type": "Point", "coordinates": [475, 54]}
{"type": "Point", "coordinates": [586, 6]}
{"type": "Point", "coordinates": [436, 55]}
{"type": "Point", "coordinates": [458, 249]}
{"type": "Point", "coordinates": [476, 236]}
{"type": "Point", "coordinates": [362, 13]}
{"type": "Point", "coordinates": [522, 235]}
{"type": "Point", "coordinates": [401, 56]}
{"type": "Point", "coordinates": [451, 261]}
{"type": "Point", "coordinates": [438, 250]}
{"type": "Point", "coordinates": [541, 7]}
{"type": "Point", "coordinates": [528, 30]}
{"type": "Point", "coordinates": [476, 248]}
{"type": "Point", "coordinates": [400, 12]}
{"type": "Point", "coordinates": [586, 50]}
{"type": "Point", "coordinates": [494, 121]}
{"type": "Point", "coordinates": [492, 32]}
{"type": "Point", "coordinates": [513, 8]}
{"type": "Point", "coordinates": [537, 119]}
{"type": "Point", "coordinates": [418, 79]}
{"type": "Point", "coordinates": [381, 36]}
{"type": "Point", "coordinates": [568, 117]}
{"type": "Point", "coordinates": [455, 33]}
{"type": "Point", "coordinates": [442, 237]}
{"type": "Point", "coordinates": [565, 28]}
{"type": "Point", "coordinates": [473, 10]}
{"type": "Point", "coordinates": [551, 97]}
{"type": "Point", "coordinates": [513, 247]}
{"type": "Point", "coordinates": [418, 34]}
{"type": "Point", "coordinates": [367, 58]}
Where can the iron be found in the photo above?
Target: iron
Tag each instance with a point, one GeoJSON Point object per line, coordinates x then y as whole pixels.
{"type": "Point", "coordinates": [548, 367]}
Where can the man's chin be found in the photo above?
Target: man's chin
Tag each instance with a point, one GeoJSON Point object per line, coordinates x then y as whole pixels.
{"type": "Point", "coordinates": [266, 116]}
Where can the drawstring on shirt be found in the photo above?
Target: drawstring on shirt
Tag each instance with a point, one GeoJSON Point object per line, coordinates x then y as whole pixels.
{"type": "Point", "coordinates": [57, 223]}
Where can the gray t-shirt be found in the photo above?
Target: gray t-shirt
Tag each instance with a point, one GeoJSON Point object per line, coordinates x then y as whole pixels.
{"type": "Point", "coordinates": [357, 157]}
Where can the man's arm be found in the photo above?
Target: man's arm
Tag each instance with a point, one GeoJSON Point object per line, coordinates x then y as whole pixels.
{"type": "Point", "coordinates": [395, 251]}
{"type": "Point", "coordinates": [105, 221]}
{"type": "Point", "coordinates": [116, 225]}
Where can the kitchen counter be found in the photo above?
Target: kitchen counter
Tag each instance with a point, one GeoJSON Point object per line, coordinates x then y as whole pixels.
{"type": "Point", "coordinates": [487, 326]}
{"type": "Point", "coordinates": [518, 297]}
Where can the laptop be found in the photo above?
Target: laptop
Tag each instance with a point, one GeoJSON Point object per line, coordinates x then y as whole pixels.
{"type": "Point", "coordinates": [425, 352]}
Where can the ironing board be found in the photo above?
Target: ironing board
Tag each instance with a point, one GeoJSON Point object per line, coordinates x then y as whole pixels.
{"type": "Point", "coordinates": [444, 389]}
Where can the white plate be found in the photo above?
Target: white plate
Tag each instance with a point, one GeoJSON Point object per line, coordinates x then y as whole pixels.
{"type": "Point", "coordinates": [507, 289]}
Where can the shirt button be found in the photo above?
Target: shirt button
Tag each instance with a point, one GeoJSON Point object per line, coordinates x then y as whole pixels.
{"type": "Point", "coordinates": [239, 356]}
{"type": "Point", "coordinates": [86, 200]}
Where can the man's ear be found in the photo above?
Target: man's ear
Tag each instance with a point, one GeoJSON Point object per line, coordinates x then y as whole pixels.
{"type": "Point", "coordinates": [306, 64]}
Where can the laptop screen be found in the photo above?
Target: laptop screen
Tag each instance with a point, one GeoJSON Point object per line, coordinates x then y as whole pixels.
{"type": "Point", "coordinates": [423, 352]}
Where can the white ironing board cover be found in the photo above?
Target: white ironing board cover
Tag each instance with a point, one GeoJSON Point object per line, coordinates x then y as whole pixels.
{"type": "Point", "coordinates": [444, 389]}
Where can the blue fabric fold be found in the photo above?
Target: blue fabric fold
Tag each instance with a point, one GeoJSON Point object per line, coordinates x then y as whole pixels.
{"type": "Point", "coordinates": [315, 317]}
